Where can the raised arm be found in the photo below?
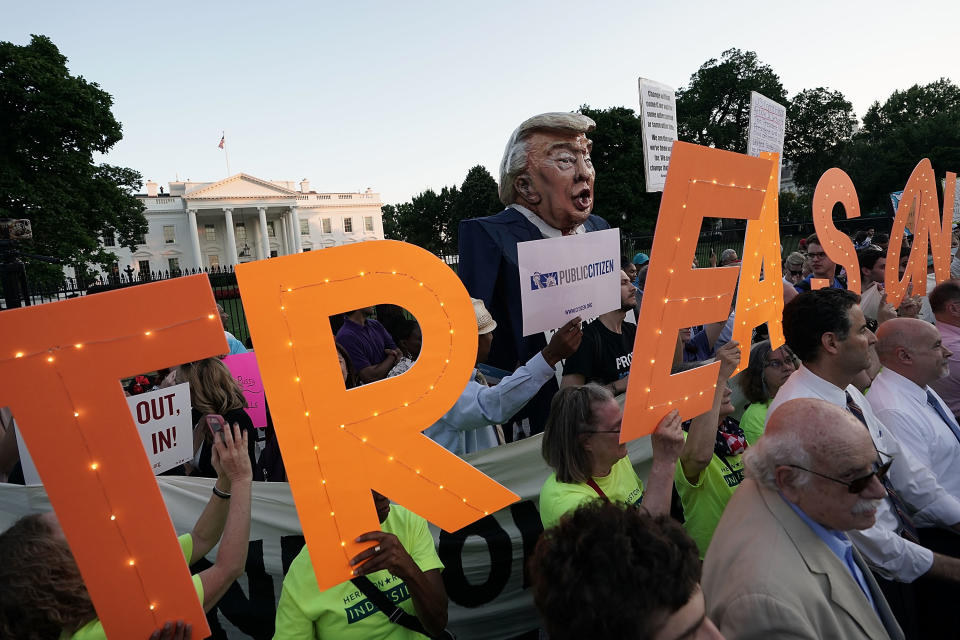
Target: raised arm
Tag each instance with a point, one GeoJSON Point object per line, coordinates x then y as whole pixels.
{"type": "Point", "coordinates": [226, 519]}
{"type": "Point", "coordinates": [698, 449]}
{"type": "Point", "coordinates": [667, 443]}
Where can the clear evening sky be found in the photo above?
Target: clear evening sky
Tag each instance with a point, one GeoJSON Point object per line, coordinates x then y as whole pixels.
{"type": "Point", "coordinates": [402, 96]}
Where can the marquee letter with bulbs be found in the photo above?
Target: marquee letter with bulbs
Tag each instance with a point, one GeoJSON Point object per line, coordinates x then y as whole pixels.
{"type": "Point", "coordinates": [835, 186]}
{"type": "Point", "coordinates": [60, 370]}
{"type": "Point", "coordinates": [338, 444]}
{"type": "Point", "coordinates": [701, 183]}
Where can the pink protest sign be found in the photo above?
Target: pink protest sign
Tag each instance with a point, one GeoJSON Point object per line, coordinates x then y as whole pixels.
{"type": "Point", "coordinates": [245, 371]}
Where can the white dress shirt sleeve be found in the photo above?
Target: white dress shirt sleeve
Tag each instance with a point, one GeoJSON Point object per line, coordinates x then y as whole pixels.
{"type": "Point", "coordinates": [480, 405]}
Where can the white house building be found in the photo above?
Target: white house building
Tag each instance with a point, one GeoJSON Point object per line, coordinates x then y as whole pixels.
{"type": "Point", "coordinates": [243, 218]}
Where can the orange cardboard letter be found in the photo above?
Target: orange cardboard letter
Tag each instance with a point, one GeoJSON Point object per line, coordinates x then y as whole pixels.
{"type": "Point", "coordinates": [835, 186]}
{"type": "Point", "coordinates": [339, 444]}
{"type": "Point", "coordinates": [760, 301]}
{"type": "Point", "coordinates": [701, 182]}
{"type": "Point", "coordinates": [86, 447]}
{"type": "Point", "coordinates": [919, 202]}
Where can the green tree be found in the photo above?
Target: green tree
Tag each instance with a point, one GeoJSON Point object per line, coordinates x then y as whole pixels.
{"type": "Point", "coordinates": [714, 109]}
{"type": "Point", "coordinates": [819, 123]}
{"type": "Point", "coordinates": [921, 122]}
{"type": "Point", "coordinates": [621, 196]}
{"type": "Point", "coordinates": [478, 197]}
{"type": "Point", "coordinates": [53, 123]}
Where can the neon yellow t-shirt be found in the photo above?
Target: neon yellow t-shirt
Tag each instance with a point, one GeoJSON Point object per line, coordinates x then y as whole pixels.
{"type": "Point", "coordinates": [305, 612]}
{"type": "Point", "coordinates": [93, 630]}
{"type": "Point", "coordinates": [704, 502]}
{"type": "Point", "coordinates": [752, 421]}
{"type": "Point", "coordinates": [559, 498]}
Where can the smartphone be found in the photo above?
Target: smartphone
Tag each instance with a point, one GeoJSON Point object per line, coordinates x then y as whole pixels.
{"type": "Point", "coordinates": [215, 423]}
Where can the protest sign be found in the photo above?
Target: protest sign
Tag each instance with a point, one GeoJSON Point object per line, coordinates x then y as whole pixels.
{"type": "Point", "coordinates": [768, 125]}
{"type": "Point", "coordinates": [87, 448]}
{"type": "Point", "coordinates": [702, 183]}
{"type": "Point", "coordinates": [658, 122]}
{"type": "Point", "coordinates": [163, 419]}
{"type": "Point", "coordinates": [920, 206]}
{"type": "Point", "coordinates": [326, 432]}
{"type": "Point", "coordinates": [562, 278]}
{"type": "Point", "coordinates": [835, 187]}
{"type": "Point", "coordinates": [243, 367]}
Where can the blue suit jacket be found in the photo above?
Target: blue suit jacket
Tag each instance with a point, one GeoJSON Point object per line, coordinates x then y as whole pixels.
{"type": "Point", "coordinates": [489, 271]}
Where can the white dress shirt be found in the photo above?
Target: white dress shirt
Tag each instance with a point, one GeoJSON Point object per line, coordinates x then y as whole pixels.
{"type": "Point", "coordinates": [889, 554]}
{"type": "Point", "coordinates": [902, 406]}
{"type": "Point", "coordinates": [949, 388]}
{"type": "Point", "coordinates": [467, 426]}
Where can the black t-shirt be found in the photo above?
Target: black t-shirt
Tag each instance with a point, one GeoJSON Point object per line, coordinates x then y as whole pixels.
{"type": "Point", "coordinates": [603, 356]}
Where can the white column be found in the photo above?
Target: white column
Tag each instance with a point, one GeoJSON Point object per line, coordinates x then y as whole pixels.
{"type": "Point", "coordinates": [231, 237]}
{"type": "Point", "coordinates": [285, 227]}
{"type": "Point", "coordinates": [264, 240]}
{"type": "Point", "coordinates": [295, 223]}
{"type": "Point", "coordinates": [195, 238]}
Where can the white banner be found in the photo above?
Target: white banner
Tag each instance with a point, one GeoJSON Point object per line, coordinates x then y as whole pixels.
{"type": "Point", "coordinates": [484, 563]}
{"type": "Point", "coordinates": [658, 122]}
{"type": "Point", "coordinates": [562, 278]}
{"type": "Point", "coordinates": [163, 419]}
{"type": "Point", "coordinates": [768, 125]}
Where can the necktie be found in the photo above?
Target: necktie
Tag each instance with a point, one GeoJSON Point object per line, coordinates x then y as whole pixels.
{"type": "Point", "coordinates": [951, 422]}
{"type": "Point", "coordinates": [907, 528]}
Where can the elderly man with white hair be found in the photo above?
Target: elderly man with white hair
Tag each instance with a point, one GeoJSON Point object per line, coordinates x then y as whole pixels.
{"type": "Point", "coordinates": [546, 183]}
{"type": "Point", "coordinates": [780, 564]}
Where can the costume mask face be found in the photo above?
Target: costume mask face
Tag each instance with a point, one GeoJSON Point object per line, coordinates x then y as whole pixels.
{"type": "Point", "coordinates": [558, 182]}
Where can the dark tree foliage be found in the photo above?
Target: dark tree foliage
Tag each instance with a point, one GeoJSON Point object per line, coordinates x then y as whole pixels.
{"type": "Point", "coordinates": [819, 122]}
{"type": "Point", "coordinates": [714, 109]}
{"type": "Point", "coordinates": [477, 198]}
{"type": "Point", "coordinates": [921, 122]}
{"type": "Point", "coordinates": [52, 124]}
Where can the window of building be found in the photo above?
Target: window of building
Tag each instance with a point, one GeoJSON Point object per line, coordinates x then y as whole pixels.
{"type": "Point", "coordinates": [348, 225]}
{"type": "Point", "coordinates": [345, 196]}
{"type": "Point", "coordinates": [271, 229]}
{"type": "Point", "coordinates": [109, 239]}
{"type": "Point", "coordinates": [305, 249]}
{"type": "Point", "coordinates": [273, 253]}
{"type": "Point", "coordinates": [304, 227]}
{"type": "Point", "coordinates": [142, 239]}
{"type": "Point", "coordinates": [144, 267]}
{"type": "Point", "coordinates": [368, 223]}
{"type": "Point", "coordinates": [174, 264]}
{"type": "Point", "coordinates": [210, 232]}
{"type": "Point", "coordinates": [168, 234]}
{"type": "Point", "coordinates": [241, 232]}
{"type": "Point", "coordinates": [327, 226]}
{"type": "Point", "coordinates": [214, 260]}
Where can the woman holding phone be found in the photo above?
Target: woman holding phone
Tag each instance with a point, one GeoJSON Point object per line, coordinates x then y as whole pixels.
{"type": "Point", "coordinates": [216, 399]}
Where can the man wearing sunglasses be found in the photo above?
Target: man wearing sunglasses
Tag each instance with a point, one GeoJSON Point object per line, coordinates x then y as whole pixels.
{"type": "Point", "coordinates": [780, 564]}
{"type": "Point", "coordinates": [828, 332]}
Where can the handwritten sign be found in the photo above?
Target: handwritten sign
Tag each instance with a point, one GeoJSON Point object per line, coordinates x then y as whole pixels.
{"type": "Point", "coordinates": [163, 420]}
{"type": "Point", "coordinates": [768, 124]}
{"type": "Point", "coordinates": [658, 122]}
{"type": "Point", "coordinates": [562, 278]}
{"type": "Point", "coordinates": [245, 371]}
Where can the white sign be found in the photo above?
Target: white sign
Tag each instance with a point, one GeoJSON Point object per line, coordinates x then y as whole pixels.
{"type": "Point", "coordinates": [163, 419]}
{"type": "Point", "coordinates": [658, 121]}
{"type": "Point", "coordinates": [768, 125]}
{"type": "Point", "coordinates": [562, 278]}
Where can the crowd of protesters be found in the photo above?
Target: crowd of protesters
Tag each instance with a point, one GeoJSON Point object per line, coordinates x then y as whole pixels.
{"type": "Point", "coordinates": [818, 497]}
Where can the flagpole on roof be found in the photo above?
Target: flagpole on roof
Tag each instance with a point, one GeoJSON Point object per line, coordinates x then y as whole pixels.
{"type": "Point", "coordinates": [226, 154]}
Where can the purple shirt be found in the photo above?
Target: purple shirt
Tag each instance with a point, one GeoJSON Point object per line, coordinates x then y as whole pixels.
{"type": "Point", "coordinates": [365, 342]}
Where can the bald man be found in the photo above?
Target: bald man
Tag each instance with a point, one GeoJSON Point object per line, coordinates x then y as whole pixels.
{"type": "Point", "coordinates": [913, 357]}
{"type": "Point", "coordinates": [780, 564]}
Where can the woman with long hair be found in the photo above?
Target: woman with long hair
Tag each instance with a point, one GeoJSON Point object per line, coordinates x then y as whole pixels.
{"type": "Point", "coordinates": [213, 390]}
{"type": "Point", "coordinates": [581, 442]}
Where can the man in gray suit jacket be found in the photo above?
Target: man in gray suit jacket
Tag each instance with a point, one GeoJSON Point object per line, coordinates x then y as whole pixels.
{"type": "Point", "coordinates": [780, 564]}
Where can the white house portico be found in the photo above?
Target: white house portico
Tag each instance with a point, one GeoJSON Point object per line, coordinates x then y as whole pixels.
{"type": "Point", "coordinates": [244, 218]}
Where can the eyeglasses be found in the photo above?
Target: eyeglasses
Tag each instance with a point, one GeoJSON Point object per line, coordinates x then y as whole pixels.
{"type": "Point", "coordinates": [780, 364]}
{"type": "Point", "coordinates": [796, 273]}
{"type": "Point", "coordinates": [857, 485]}
{"type": "Point", "coordinates": [816, 255]}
